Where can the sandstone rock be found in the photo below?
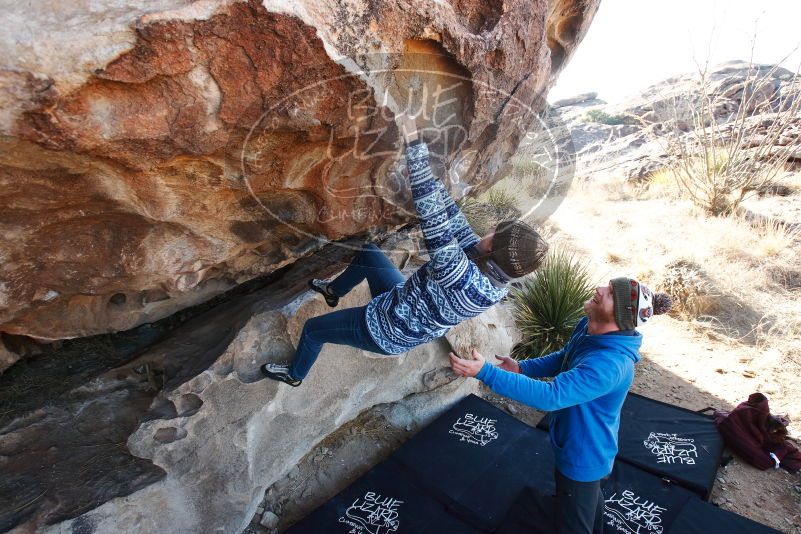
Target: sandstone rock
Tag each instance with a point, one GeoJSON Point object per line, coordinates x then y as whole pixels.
{"type": "Point", "coordinates": [155, 154]}
{"type": "Point", "coordinates": [230, 434]}
{"type": "Point", "coordinates": [7, 357]}
{"type": "Point", "coordinates": [642, 169]}
{"type": "Point", "coordinates": [355, 453]}
{"type": "Point", "coordinates": [495, 332]}
{"type": "Point", "coordinates": [726, 87]}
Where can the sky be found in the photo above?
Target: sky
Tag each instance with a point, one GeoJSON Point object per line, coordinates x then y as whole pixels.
{"type": "Point", "coordinates": [632, 44]}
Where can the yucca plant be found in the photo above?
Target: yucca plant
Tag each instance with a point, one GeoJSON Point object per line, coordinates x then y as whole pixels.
{"type": "Point", "coordinates": [500, 199]}
{"type": "Point", "coordinates": [549, 303]}
{"type": "Point", "coordinates": [481, 216]}
{"type": "Point", "coordinates": [489, 209]}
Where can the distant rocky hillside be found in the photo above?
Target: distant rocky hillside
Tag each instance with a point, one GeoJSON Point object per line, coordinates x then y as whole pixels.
{"type": "Point", "coordinates": [622, 138]}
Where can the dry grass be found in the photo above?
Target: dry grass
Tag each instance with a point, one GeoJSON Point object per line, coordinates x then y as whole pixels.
{"type": "Point", "coordinates": [775, 238]}
{"type": "Point", "coordinates": [727, 276]}
{"type": "Point", "coordinates": [486, 211]}
{"type": "Point", "coordinates": [531, 175]}
{"type": "Point", "coordinates": [659, 184]}
{"type": "Point", "coordinates": [694, 295]}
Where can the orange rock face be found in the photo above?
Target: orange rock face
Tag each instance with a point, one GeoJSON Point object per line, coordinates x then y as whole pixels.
{"type": "Point", "coordinates": [170, 152]}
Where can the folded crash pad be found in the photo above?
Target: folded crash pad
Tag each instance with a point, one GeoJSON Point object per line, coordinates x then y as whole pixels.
{"type": "Point", "coordinates": [637, 502]}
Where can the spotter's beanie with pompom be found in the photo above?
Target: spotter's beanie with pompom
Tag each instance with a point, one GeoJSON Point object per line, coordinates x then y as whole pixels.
{"type": "Point", "coordinates": [635, 303]}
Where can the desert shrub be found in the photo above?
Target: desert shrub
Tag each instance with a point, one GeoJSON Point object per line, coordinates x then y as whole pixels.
{"type": "Point", "coordinates": [524, 168]}
{"type": "Point", "coordinates": [532, 175]}
{"type": "Point", "coordinates": [600, 116]}
{"type": "Point", "coordinates": [774, 237]}
{"type": "Point", "coordinates": [692, 294]}
{"type": "Point", "coordinates": [720, 155]}
{"type": "Point", "coordinates": [478, 214]}
{"type": "Point", "coordinates": [549, 303]}
{"type": "Point", "coordinates": [660, 183]}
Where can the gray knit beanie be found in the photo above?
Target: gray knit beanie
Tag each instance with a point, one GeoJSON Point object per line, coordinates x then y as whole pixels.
{"type": "Point", "coordinates": [635, 304]}
{"type": "Point", "coordinates": [517, 248]}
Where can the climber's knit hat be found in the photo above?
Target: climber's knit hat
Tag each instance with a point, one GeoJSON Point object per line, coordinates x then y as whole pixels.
{"type": "Point", "coordinates": [635, 304]}
{"type": "Point", "coordinates": [517, 248]}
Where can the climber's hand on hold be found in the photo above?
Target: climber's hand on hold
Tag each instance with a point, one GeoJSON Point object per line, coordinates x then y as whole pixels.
{"type": "Point", "coordinates": [407, 126]}
{"type": "Point", "coordinates": [465, 367]}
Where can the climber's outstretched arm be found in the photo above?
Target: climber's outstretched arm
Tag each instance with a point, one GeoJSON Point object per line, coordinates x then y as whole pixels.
{"type": "Point", "coordinates": [448, 260]}
{"type": "Point", "coordinates": [460, 228]}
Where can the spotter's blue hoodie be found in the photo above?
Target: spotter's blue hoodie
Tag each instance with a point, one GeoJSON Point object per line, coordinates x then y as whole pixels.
{"type": "Point", "coordinates": [592, 375]}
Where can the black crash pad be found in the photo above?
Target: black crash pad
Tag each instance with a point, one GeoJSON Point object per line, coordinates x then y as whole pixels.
{"type": "Point", "coordinates": [532, 512]}
{"type": "Point", "coordinates": [469, 471]}
{"type": "Point", "coordinates": [669, 441]}
{"type": "Point", "coordinates": [699, 517]}
{"type": "Point", "coordinates": [476, 459]}
{"type": "Point", "coordinates": [383, 501]}
{"type": "Point", "coordinates": [459, 474]}
{"type": "Point", "coordinates": [636, 502]}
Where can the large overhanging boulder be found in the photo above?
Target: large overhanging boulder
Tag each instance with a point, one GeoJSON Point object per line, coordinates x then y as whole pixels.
{"type": "Point", "coordinates": [153, 154]}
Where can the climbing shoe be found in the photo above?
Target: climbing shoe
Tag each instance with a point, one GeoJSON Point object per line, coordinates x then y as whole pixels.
{"type": "Point", "coordinates": [277, 371]}
{"type": "Point", "coordinates": [322, 288]}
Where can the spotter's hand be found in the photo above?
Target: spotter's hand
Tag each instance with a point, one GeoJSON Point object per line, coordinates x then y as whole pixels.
{"type": "Point", "coordinates": [508, 364]}
{"type": "Point", "coordinates": [464, 367]}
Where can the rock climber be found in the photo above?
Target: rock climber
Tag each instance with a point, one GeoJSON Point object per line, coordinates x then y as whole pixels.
{"type": "Point", "coordinates": [464, 276]}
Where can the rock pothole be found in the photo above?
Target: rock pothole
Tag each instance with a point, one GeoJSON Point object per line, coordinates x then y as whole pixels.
{"type": "Point", "coordinates": [169, 434]}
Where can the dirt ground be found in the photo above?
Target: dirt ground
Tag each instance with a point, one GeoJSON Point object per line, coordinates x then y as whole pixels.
{"type": "Point", "coordinates": [693, 371]}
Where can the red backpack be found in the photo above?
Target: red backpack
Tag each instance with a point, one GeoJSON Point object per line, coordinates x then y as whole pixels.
{"type": "Point", "coordinates": [758, 437]}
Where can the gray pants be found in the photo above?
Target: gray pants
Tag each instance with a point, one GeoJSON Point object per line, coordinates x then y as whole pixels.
{"type": "Point", "coordinates": [579, 506]}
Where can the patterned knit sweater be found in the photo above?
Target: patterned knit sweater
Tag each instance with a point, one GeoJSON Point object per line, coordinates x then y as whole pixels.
{"type": "Point", "coordinates": [445, 291]}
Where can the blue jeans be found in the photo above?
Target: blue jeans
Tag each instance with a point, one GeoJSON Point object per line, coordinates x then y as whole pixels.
{"type": "Point", "coordinates": [348, 326]}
